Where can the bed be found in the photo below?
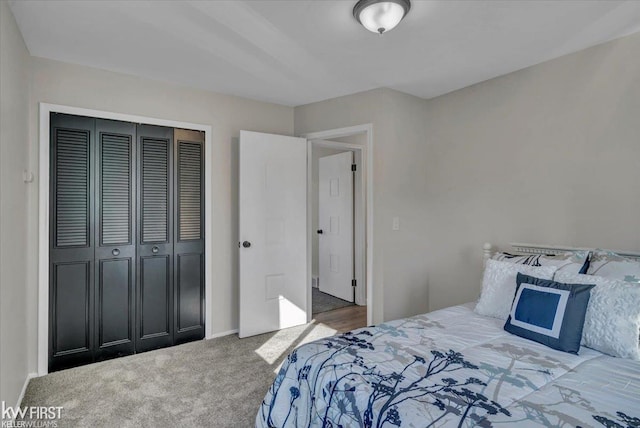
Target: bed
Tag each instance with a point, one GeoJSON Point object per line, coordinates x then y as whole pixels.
{"type": "Point", "coordinates": [451, 367]}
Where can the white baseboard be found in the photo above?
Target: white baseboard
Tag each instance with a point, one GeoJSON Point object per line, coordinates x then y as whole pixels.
{"type": "Point", "coordinates": [21, 396]}
{"type": "Point", "coordinates": [222, 334]}
{"type": "Point", "coordinates": [24, 388]}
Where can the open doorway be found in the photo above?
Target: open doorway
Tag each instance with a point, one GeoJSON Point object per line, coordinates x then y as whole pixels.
{"type": "Point", "coordinates": [337, 196]}
{"type": "Point", "coordinates": [333, 247]}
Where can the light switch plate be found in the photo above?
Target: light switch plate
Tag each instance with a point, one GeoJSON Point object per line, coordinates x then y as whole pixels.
{"type": "Point", "coordinates": [396, 223]}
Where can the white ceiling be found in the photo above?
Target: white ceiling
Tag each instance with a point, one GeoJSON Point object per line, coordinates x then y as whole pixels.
{"type": "Point", "coordinates": [298, 52]}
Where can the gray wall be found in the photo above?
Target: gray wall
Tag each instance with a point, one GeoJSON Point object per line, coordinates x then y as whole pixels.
{"type": "Point", "coordinates": [14, 143]}
{"type": "Point", "coordinates": [79, 86]}
{"type": "Point", "coordinates": [549, 154]}
{"type": "Point", "coordinates": [400, 276]}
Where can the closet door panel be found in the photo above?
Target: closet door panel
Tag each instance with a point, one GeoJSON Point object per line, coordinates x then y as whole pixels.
{"type": "Point", "coordinates": [72, 169]}
{"type": "Point", "coordinates": [71, 313]}
{"type": "Point", "coordinates": [155, 293]}
{"type": "Point", "coordinates": [115, 231]}
{"type": "Point", "coordinates": [115, 297]}
{"type": "Point", "coordinates": [189, 280]}
{"type": "Point", "coordinates": [189, 232]}
{"type": "Point", "coordinates": [115, 183]}
{"type": "Point", "coordinates": [72, 184]}
{"type": "Point", "coordinates": [71, 252]}
{"type": "Point", "coordinates": [155, 298]}
{"type": "Point", "coordinates": [155, 153]}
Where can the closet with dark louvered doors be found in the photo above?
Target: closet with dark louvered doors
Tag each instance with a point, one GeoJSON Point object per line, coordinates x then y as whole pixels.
{"type": "Point", "coordinates": [126, 239]}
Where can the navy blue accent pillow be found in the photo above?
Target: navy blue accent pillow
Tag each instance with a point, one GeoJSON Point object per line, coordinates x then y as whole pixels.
{"type": "Point", "coordinates": [549, 312]}
{"type": "Point", "coordinates": [585, 267]}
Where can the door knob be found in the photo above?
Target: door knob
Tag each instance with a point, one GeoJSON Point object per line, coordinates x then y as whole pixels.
{"type": "Point", "coordinates": [155, 250]}
{"type": "Point", "coordinates": [246, 244]}
{"type": "Point", "coordinates": [115, 252]}
{"type": "Point", "coordinates": [320, 232]}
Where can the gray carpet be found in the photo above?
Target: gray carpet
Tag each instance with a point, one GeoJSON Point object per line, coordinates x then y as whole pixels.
{"type": "Point", "coordinates": [210, 383]}
{"type": "Point", "coordinates": [323, 302]}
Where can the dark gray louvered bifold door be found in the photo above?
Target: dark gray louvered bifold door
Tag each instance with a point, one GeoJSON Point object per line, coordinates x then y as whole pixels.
{"type": "Point", "coordinates": [126, 240]}
{"type": "Point", "coordinates": [155, 299]}
{"type": "Point", "coordinates": [71, 281]}
{"type": "Point", "coordinates": [189, 236]}
{"type": "Point", "coordinates": [115, 253]}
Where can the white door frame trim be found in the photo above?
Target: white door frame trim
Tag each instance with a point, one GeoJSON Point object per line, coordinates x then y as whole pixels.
{"type": "Point", "coordinates": [367, 166]}
{"type": "Point", "coordinates": [43, 213]}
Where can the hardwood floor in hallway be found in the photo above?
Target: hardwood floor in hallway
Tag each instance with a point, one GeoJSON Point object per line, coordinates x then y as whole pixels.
{"type": "Point", "coordinates": [343, 319]}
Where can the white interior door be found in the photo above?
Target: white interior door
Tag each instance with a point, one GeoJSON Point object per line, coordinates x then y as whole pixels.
{"type": "Point", "coordinates": [335, 220]}
{"type": "Point", "coordinates": [273, 232]}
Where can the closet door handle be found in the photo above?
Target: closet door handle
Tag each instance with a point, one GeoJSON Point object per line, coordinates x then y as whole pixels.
{"type": "Point", "coordinates": [115, 252]}
{"type": "Point", "coordinates": [155, 250]}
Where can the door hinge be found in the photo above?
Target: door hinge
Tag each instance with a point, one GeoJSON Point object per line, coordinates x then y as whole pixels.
{"type": "Point", "coordinates": [354, 283]}
{"type": "Point", "coordinates": [353, 167]}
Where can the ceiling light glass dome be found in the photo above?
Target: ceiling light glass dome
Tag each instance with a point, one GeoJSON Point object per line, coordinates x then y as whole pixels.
{"type": "Point", "coordinates": [380, 16]}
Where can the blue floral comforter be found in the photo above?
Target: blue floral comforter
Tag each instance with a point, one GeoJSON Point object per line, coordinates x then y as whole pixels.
{"type": "Point", "coordinates": [448, 368]}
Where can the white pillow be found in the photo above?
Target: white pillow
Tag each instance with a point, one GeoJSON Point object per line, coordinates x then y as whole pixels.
{"type": "Point", "coordinates": [614, 266]}
{"type": "Point", "coordinates": [612, 322]}
{"type": "Point", "coordinates": [499, 286]}
{"type": "Point", "coordinates": [566, 262]}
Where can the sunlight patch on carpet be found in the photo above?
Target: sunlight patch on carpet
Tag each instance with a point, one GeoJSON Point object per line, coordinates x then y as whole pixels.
{"type": "Point", "coordinates": [282, 341]}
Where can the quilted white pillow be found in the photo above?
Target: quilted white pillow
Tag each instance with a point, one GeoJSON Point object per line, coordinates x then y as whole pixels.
{"type": "Point", "coordinates": [614, 266]}
{"type": "Point", "coordinates": [499, 286]}
{"type": "Point", "coordinates": [612, 322]}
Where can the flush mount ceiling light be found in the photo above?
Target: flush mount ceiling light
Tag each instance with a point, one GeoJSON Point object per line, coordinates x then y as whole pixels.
{"type": "Point", "coordinates": [380, 16]}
